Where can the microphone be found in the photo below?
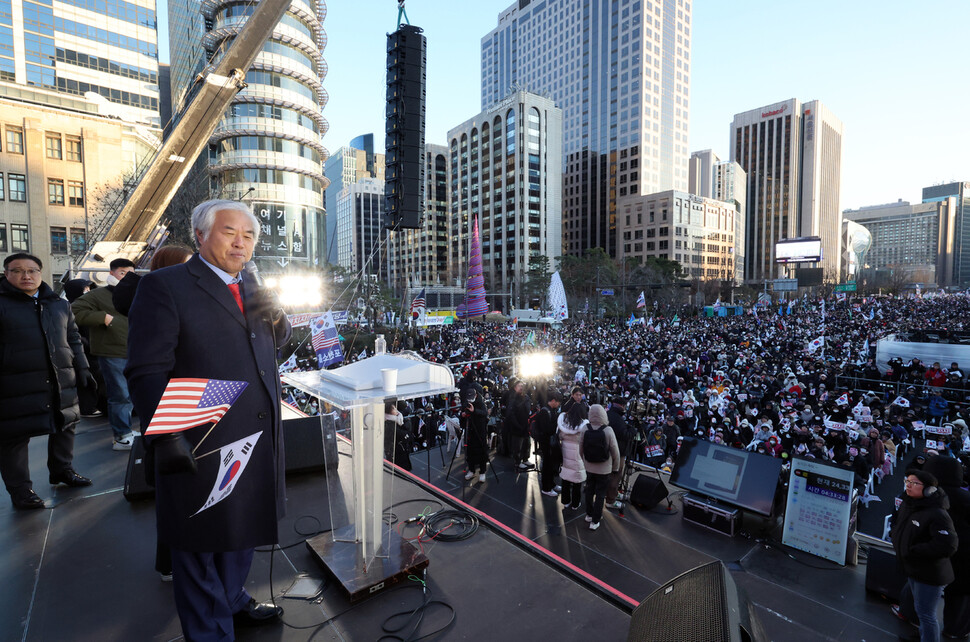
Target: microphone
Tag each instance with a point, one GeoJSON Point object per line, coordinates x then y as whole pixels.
{"type": "Point", "coordinates": [253, 271]}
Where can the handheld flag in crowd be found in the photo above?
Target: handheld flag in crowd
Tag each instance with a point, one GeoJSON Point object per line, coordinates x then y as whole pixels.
{"type": "Point", "coordinates": [901, 401]}
{"type": "Point", "coordinates": [815, 344]}
{"type": "Point", "coordinates": [233, 459]}
{"type": "Point", "coordinates": [531, 339]}
{"type": "Point", "coordinates": [843, 400]}
{"type": "Point", "coordinates": [419, 305]}
{"type": "Point", "coordinates": [631, 320]}
{"type": "Point", "coordinates": [717, 304]}
{"type": "Point", "coordinates": [187, 403]}
{"type": "Point", "coordinates": [289, 364]}
{"type": "Point", "coordinates": [641, 301]}
{"type": "Point", "coordinates": [515, 324]}
{"type": "Point", "coordinates": [865, 348]}
{"type": "Point", "coordinates": [325, 342]}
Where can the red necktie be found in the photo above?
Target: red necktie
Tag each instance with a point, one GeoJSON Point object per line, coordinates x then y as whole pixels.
{"type": "Point", "coordinates": [234, 288]}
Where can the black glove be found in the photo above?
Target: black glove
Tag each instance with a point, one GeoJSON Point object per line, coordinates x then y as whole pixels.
{"type": "Point", "coordinates": [265, 303]}
{"type": "Point", "coordinates": [87, 380]}
{"type": "Point", "coordinates": [173, 455]}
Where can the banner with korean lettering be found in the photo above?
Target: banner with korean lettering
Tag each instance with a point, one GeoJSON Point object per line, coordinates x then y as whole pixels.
{"type": "Point", "coordinates": [325, 341]}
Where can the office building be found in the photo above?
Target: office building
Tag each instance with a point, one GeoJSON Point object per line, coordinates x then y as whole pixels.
{"type": "Point", "coordinates": [420, 257]}
{"type": "Point", "coordinates": [918, 241]}
{"type": "Point", "coordinates": [960, 192]}
{"type": "Point", "coordinates": [697, 232]}
{"type": "Point", "coordinates": [50, 50]}
{"type": "Point", "coordinates": [701, 173]}
{"type": "Point", "coordinates": [620, 72]}
{"type": "Point", "coordinates": [344, 167]}
{"type": "Point", "coordinates": [506, 171]}
{"type": "Point", "coordinates": [267, 150]}
{"type": "Point", "coordinates": [729, 186]}
{"type": "Point", "coordinates": [792, 154]}
{"type": "Point", "coordinates": [60, 168]}
{"type": "Point", "coordinates": [363, 247]}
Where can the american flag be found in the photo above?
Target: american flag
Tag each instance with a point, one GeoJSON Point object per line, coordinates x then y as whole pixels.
{"type": "Point", "coordinates": [323, 338]}
{"type": "Point", "coordinates": [418, 304]}
{"type": "Point", "coordinates": [187, 403]}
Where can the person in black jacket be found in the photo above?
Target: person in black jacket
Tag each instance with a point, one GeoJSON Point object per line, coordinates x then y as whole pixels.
{"type": "Point", "coordinates": [956, 596]}
{"type": "Point", "coordinates": [546, 423]}
{"type": "Point", "coordinates": [475, 416]}
{"type": "Point", "coordinates": [624, 439]}
{"type": "Point", "coordinates": [925, 539]}
{"type": "Point", "coordinates": [517, 420]}
{"type": "Point", "coordinates": [41, 365]}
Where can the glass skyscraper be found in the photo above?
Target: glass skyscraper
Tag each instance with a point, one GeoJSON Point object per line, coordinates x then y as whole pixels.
{"type": "Point", "coordinates": [267, 150]}
{"type": "Point", "coordinates": [620, 72]}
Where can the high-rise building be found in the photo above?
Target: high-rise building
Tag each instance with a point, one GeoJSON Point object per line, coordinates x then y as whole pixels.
{"type": "Point", "coordinates": [697, 232]}
{"type": "Point", "coordinates": [79, 109]}
{"type": "Point", "coordinates": [792, 154]}
{"type": "Point", "coordinates": [960, 191]}
{"type": "Point", "coordinates": [506, 170]}
{"type": "Point", "coordinates": [267, 150]}
{"type": "Point", "coordinates": [915, 241]}
{"type": "Point", "coordinates": [701, 171]}
{"type": "Point", "coordinates": [363, 247]}
{"type": "Point", "coordinates": [108, 48]}
{"type": "Point", "coordinates": [420, 257]}
{"type": "Point", "coordinates": [621, 74]}
{"type": "Point", "coordinates": [729, 186]}
{"type": "Point", "coordinates": [346, 166]}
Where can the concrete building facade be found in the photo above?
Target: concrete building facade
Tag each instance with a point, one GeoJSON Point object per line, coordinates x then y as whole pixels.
{"type": "Point", "coordinates": [697, 232]}
{"type": "Point", "coordinates": [729, 186]}
{"type": "Point", "coordinates": [346, 166]}
{"type": "Point", "coordinates": [58, 169]}
{"type": "Point", "coordinates": [960, 192]}
{"type": "Point", "coordinates": [919, 240]}
{"type": "Point", "coordinates": [363, 247]}
{"type": "Point", "coordinates": [792, 155]}
{"type": "Point", "coordinates": [621, 74]}
{"type": "Point", "coordinates": [506, 171]}
{"type": "Point", "coordinates": [701, 172]}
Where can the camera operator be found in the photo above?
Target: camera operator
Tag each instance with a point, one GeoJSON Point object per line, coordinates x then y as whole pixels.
{"type": "Point", "coordinates": [475, 418]}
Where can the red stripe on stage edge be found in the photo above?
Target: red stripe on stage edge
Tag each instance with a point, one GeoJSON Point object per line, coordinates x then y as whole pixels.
{"type": "Point", "coordinates": [517, 535]}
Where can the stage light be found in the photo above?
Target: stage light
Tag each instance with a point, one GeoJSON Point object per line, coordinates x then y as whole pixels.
{"type": "Point", "coordinates": [533, 365]}
{"type": "Point", "coordinates": [297, 290]}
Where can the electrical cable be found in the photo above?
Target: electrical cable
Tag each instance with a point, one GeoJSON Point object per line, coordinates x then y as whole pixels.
{"type": "Point", "coordinates": [416, 615]}
{"type": "Point", "coordinates": [466, 524]}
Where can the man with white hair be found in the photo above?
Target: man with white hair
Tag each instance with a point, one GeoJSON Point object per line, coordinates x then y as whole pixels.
{"type": "Point", "coordinates": [208, 319]}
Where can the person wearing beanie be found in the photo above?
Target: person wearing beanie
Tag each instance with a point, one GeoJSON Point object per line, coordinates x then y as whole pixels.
{"type": "Point", "coordinates": [924, 539]}
{"type": "Point", "coordinates": [598, 470]}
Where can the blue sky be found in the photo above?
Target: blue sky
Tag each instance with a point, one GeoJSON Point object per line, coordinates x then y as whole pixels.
{"type": "Point", "coordinates": [894, 72]}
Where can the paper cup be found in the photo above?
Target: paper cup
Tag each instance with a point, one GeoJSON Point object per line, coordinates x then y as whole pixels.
{"type": "Point", "coordinates": [390, 379]}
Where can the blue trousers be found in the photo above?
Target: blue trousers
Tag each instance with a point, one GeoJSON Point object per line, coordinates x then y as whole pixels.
{"type": "Point", "coordinates": [209, 588]}
{"type": "Point", "coordinates": [119, 403]}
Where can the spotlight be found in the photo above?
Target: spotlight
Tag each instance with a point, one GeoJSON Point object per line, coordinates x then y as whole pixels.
{"type": "Point", "coordinates": [534, 365]}
{"type": "Point", "coordinates": [297, 290]}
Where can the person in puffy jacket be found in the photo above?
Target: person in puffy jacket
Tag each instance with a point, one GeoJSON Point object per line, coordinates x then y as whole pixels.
{"type": "Point", "coordinates": [571, 426]}
{"type": "Point", "coordinates": [598, 473]}
{"type": "Point", "coordinates": [956, 597]}
{"type": "Point", "coordinates": [925, 539]}
{"type": "Point", "coordinates": [41, 365]}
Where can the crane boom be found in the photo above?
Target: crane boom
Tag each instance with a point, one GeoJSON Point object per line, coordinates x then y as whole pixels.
{"type": "Point", "coordinates": [214, 91]}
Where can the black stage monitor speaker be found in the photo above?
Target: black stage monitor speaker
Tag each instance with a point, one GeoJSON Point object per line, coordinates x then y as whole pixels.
{"type": "Point", "coordinates": [883, 576]}
{"type": "Point", "coordinates": [404, 154]}
{"type": "Point", "coordinates": [136, 486]}
{"type": "Point", "coordinates": [310, 444]}
{"type": "Point", "coordinates": [647, 492]}
{"type": "Point", "coordinates": [700, 605]}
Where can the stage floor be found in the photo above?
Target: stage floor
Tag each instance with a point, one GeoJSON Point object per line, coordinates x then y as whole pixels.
{"type": "Point", "coordinates": [84, 569]}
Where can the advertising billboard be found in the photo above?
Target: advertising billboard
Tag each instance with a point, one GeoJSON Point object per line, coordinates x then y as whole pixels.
{"type": "Point", "coordinates": [801, 250]}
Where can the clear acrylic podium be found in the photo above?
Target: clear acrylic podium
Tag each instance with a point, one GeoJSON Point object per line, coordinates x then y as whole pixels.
{"type": "Point", "coordinates": [364, 556]}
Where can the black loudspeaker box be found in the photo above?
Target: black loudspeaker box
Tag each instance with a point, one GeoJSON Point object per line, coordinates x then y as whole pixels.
{"type": "Point", "coordinates": [136, 486]}
{"type": "Point", "coordinates": [647, 492]}
{"type": "Point", "coordinates": [700, 605]}
{"type": "Point", "coordinates": [310, 444]}
{"type": "Point", "coordinates": [883, 576]}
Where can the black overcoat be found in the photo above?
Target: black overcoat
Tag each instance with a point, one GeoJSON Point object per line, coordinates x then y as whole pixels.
{"type": "Point", "coordinates": [184, 322]}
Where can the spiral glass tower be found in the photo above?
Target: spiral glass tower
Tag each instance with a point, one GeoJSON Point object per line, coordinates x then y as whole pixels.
{"type": "Point", "coordinates": [267, 150]}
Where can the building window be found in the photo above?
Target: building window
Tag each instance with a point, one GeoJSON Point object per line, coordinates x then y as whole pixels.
{"type": "Point", "coordinates": [17, 184]}
{"type": "Point", "coordinates": [58, 240]}
{"type": "Point", "coordinates": [73, 148]}
{"type": "Point", "coordinates": [52, 145]}
{"type": "Point", "coordinates": [3, 237]}
{"type": "Point", "coordinates": [2, 190]}
{"type": "Point", "coordinates": [19, 239]}
{"type": "Point", "coordinates": [75, 193]}
{"type": "Point", "coordinates": [79, 242]}
{"type": "Point", "coordinates": [55, 191]}
{"type": "Point", "coordinates": [15, 140]}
